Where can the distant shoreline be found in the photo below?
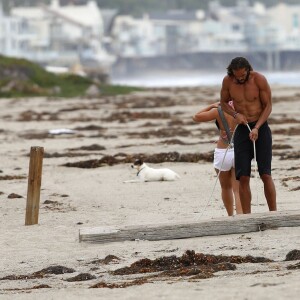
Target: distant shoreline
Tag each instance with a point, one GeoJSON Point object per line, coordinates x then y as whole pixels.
{"type": "Point", "coordinates": [194, 78]}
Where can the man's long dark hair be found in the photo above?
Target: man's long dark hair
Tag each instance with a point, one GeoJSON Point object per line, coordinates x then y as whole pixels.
{"type": "Point", "coordinates": [238, 63]}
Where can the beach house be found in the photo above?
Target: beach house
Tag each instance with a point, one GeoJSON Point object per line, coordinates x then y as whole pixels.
{"type": "Point", "coordinates": [15, 35]}
{"type": "Point", "coordinates": [67, 34]}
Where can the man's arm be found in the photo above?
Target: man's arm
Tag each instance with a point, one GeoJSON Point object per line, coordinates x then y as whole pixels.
{"type": "Point", "coordinates": [225, 98]}
{"type": "Point", "coordinates": [265, 98]}
{"type": "Point", "coordinates": [266, 103]}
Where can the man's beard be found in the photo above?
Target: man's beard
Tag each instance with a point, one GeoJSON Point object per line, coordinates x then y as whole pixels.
{"type": "Point", "coordinates": [244, 80]}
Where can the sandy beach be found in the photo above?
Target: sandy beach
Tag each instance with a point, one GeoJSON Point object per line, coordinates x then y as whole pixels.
{"type": "Point", "coordinates": [82, 187]}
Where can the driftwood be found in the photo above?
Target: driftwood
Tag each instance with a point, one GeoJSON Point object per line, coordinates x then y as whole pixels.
{"type": "Point", "coordinates": [220, 226]}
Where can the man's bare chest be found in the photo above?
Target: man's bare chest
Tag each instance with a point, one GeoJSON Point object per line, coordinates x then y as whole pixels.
{"type": "Point", "coordinates": [248, 92]}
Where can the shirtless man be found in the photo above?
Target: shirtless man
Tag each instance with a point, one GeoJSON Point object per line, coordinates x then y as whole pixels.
{"type": "Point", "coordinates": [251, 95]}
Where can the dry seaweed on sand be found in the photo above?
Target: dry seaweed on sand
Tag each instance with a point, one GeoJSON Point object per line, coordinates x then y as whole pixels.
{"type": "Point", "coordinates": [190, 265]}
{"type": "Point", "coordinates": [188, 259]}
{"type": "Point", "coordinates": [152, 158]}
{"type": "Point", "coordinates": [56, 270]}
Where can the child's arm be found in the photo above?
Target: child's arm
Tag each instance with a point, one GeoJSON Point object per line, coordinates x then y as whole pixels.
{"type": "Point", "coordinates": [206, 114]}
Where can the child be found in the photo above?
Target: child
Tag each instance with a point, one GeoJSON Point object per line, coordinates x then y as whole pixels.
{"type": "Point", "coordinates": [229, 184]}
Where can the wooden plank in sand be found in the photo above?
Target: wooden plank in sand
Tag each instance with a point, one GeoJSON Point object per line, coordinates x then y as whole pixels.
{"type": "Point", "coordinates": [220, 226]}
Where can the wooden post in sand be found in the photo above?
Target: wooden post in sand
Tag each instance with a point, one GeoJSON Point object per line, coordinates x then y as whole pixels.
{"type": "Point", "coordinates": [34, 185]}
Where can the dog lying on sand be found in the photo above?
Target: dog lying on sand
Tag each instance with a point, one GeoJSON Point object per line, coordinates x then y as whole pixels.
{"type": "Point", "coordinates": [146, 174]}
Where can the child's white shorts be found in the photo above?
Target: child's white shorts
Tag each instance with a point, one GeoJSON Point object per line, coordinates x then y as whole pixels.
{"type": "Point", "coordinates": [228, 162]}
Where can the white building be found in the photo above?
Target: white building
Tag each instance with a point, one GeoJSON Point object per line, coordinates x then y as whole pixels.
{"type": "Point", "coordinates": [133, 37]}
{"type": "Point", "coordinates": [178, 30]}
{"type": "Point", "coordinates": [224, 32]}
{"type": "Point", "coordinates": [266, 29]}
{"type": "Point", "coordinates": [65, 34]}
{"type": "Point", "coordinates": [15, 35]}
{"type": "Point", "coordinates": [157, 34]}
{"type": "Point", "coordinates": [288, 18]}
{"type": "Point", "coordinates": [242, 27]}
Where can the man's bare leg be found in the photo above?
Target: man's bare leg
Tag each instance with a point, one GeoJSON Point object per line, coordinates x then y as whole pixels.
{"type": "Point", "coordinates": [245, 194]}
{"type": "Point", "coordinates": [270, 192]}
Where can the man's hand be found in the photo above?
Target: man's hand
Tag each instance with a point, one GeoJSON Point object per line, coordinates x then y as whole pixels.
{"type": "Point", "coordinates": [253, 134]}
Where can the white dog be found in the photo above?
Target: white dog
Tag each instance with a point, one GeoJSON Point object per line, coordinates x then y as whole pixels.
{"type": "Point", "coordinates": [145, 173]}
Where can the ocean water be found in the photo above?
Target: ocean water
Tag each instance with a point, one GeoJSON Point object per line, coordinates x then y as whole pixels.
{"type": "Point", "coordinates": [192, 79]}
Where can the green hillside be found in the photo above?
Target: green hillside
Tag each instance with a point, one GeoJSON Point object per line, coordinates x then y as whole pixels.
{"type": "Point", "coordinates": [21, 78]}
